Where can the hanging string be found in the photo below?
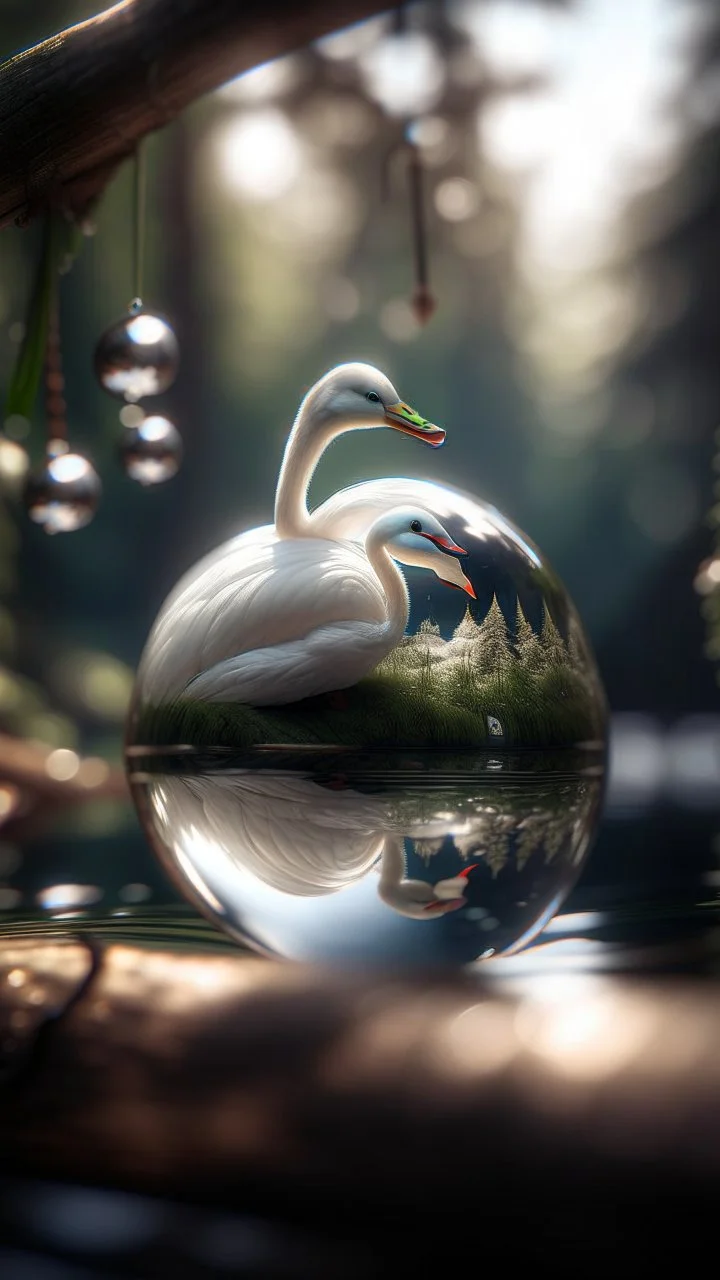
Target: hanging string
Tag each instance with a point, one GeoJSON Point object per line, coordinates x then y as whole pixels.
{"type": "Point", "coordinates": [139, 205]}
{"type": "Point", "coordinates": [423, 303]}
{"type": "Point", "coordinates": [55, 407]}
{"type": "Point", "coordinates": [399, 19]}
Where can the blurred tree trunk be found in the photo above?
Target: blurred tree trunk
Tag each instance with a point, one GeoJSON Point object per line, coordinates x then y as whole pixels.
{"type": "Point", "coordinates": [186, 300]}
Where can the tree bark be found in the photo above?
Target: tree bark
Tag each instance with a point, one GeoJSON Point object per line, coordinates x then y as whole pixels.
{"type": "Point", "coordinates": [74, 106]}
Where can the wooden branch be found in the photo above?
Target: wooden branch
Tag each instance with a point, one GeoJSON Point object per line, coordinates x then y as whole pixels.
{"type": "Point", "coordinates": [74, 106]}
{"type": "Point", "coordinates": [23, 765]}
{"type": "Point", "coordinates": [444, 1105]}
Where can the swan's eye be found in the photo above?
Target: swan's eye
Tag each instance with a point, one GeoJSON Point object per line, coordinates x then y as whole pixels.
{"type": "Point", "coordinates": [373, 396]}
{"type": "Point", "coordinates": [416, 526]}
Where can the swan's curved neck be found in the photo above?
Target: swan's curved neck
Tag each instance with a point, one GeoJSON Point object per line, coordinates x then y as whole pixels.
{"type": "Point", "coordinates": [393, 585]}
{"type": "Point", "coordinates": [392, 866]}
{"type": "Point", "coordinates": [308, 440]}
{"type": "Point", "coordinates": [408, 897]}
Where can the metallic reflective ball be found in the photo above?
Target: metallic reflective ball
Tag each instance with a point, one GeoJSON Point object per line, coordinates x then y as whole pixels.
{"type": "Point", "coordinates": [64, 495]}
{"type": "Point", "coordinates": [151, 451]}
{"type": "Point", "coordinates": [137, 357]}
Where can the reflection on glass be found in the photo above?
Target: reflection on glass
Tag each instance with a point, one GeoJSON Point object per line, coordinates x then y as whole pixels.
{"type": "Point", "coordinates": [373, 862]}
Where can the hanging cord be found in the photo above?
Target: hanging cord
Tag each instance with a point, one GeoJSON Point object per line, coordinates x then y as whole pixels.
{"type": "Point", "coordinates": [139, 221]}
{"type": "Point", "coordinates": [423, 303]}
{"type": "Point", "coordinates": [55, 407]}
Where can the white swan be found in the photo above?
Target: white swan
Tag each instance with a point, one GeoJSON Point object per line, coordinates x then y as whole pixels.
{"type": "Point", "coordinates": [316, 615]}
{"type": "Point", "coordinates": [417, 899]}
{"type": "Point", "coordinates": [300, 839]}
{"type": "Point", "coordinates": [350, 397]}
{"type": "Point", "coordinates": [207, 596]}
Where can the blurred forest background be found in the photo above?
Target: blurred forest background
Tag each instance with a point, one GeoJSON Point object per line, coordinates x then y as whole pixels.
{"type": "Point", "coordinates": [573, 201]}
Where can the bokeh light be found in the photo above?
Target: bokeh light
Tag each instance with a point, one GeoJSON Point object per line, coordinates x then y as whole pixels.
{"type": "Point", "coordinates": [708, 576]}
{"type": "Point", "coordinates": [588, 150]}
{"type": "Point", "coordinates": [404, 73]}
{"type": "Point", "coordinates": [318, 216]}
{"type": "Point", "coordinates": [270, 80]}
{"type": "Point", "coordinates": [398, 321]}
{"type": "Point", "coordinates": [456, 199]}
{"type": "Point", "coordinates": [14, 464]}
{"type": "Point", "coordinates": [514, 39]}
{"type": "Point", "coordinates": [582, 1030]}
{"type": "Point", "coordinates": [352, 41]}
{"type": "Point", "coordinates": [62, 765]}
{"type": "Point", "coordinates": [131, 415]}
{"type": "Point", "coordinates": [95, 682]}
{"type": "Point", "coordinates": [337, 120]}
{"type": "Point", "coordinates": [93, 772]}
{"type": "Point", "coordinates": [64, 897]}
{"type": "Point", "coordinates": [259, 154]}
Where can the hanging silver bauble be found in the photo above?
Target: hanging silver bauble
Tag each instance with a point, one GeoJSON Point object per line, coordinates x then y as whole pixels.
{"type": "Point", "coordinates": [137, 357]}
{"type": "Point", "coordinates": [151, 451]}
{"type": "Point", "coordinates": [64, 495]}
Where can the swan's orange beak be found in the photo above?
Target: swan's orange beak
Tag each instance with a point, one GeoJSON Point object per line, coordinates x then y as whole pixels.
{"type": "Point", "coordinates": [445, 544]}
{"type": "Point", "coordinates": [403, 418]}
{"type": "Point", "coordinates": [467, 586]}
{"type": "Point", "coordinates": [451, 904]}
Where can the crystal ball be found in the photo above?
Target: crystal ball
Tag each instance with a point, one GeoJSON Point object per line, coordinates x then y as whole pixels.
{"type": "Point", "coordinates": [381, 746]}
{"type": "Point", "coordinates": [151, 451]}
{"type": "Point", "coordinates": [64, 495]}
{"type": "Point", "coordinates": [137, 357]}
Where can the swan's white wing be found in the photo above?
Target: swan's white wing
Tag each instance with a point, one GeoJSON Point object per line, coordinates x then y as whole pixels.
{"type": "Point", "coordinates": [327, 658]}
{"type": "Point", "coordinates": [255, 593]}
{"type": "Point", "coordinates": [184, 588]}
{"type": "Point", "coordinates": [287, 831]}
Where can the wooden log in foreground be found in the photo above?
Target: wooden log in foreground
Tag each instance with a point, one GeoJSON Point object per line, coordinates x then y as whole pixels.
{"type": "Point", "coordinates": [375, 1104]}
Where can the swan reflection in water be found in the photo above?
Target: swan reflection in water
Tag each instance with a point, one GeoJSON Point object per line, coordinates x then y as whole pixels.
{"type": "Point", "coordinates": [251, 848]}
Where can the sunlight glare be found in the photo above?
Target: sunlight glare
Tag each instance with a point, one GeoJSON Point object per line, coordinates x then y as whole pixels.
{"type": "Point", "coordinates": [599, 132]}
{"type": "Point", "coordinates": [404, 73]}
{"type": "Point", "coordinates": [585, 1032]}
{"type": "Point", "coordinates": [259, 154]}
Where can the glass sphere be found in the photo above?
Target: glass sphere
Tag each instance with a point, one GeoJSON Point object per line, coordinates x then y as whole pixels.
{"type": "Point", "coordinates": [151, 451]}
{"type": "Point", "coordinates": [65, 494]}
{"type": "Point", "coordinates": [388, 742]}
{"type": "Point", "coordinates": [137, 357]}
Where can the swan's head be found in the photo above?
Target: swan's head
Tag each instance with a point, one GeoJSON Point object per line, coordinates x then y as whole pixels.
{"type": "Point", "coordinates": [416, 538]}
{"type": "Point", "coordinates": [357, 396]}
{"type": "Point", "coordinates": [422, 901]}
